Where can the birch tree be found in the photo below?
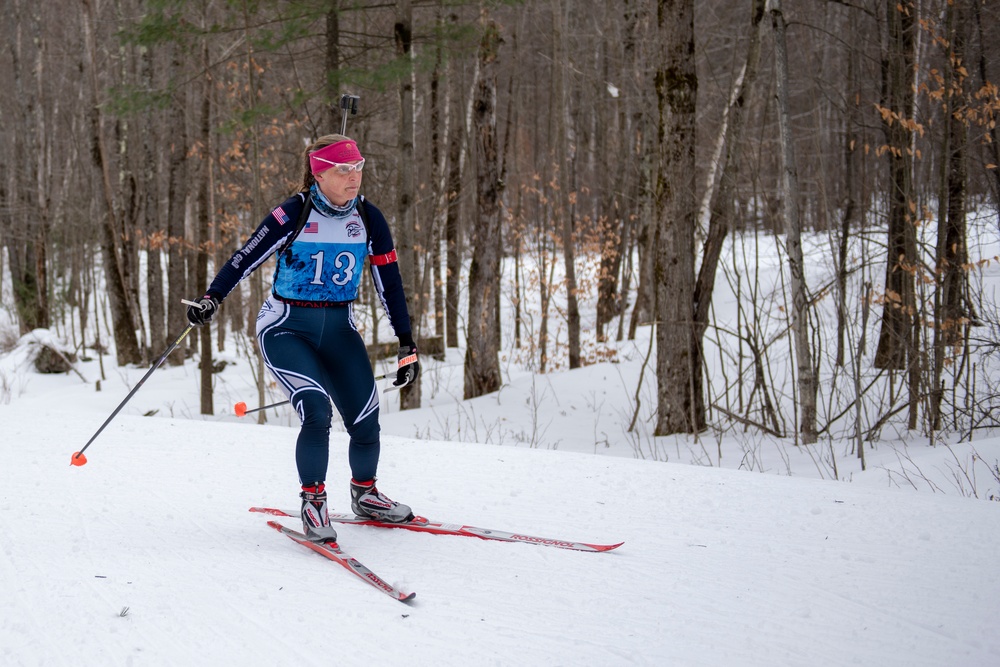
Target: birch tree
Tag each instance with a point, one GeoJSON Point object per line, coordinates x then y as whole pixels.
{"type": "Point", "coordinates": [806, 380]}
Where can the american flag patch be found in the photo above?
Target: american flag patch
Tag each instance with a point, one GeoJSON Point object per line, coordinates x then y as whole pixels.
{"type": "Point", "coordinates": [280, 215]}
{"type": "Point", "coordinates": [311, 228]}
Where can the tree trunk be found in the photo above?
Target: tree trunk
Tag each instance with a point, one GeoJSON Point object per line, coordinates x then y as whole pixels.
{"type": "Point", "coordinates": [177, 287]}
{"type": "Point", "coordinates": [203, 239]}
{"type": "Point", "coordinates": [482, 362]}
{"type": "Point", "coordinates": [439, 131]}
{"type": "Point", "coordinates": [257, 207]}
{"type": "Point", "coordinates": [641, 150]}
{"type": "Point", "coordinates": [896, 336]}
{"type": "Point", "coordinates": [951, 311]}
{"type": "Point", "coordinates": [993, 145]}
{"type": "Point", "coordinates": [676, 213]}
{"type": "Point", "coordinates": [721, 201]}
{"type": "Point", "coordinates": [562, 208]}
{"type": "Point", "coordinates": [42, 172]}
{"type": "Point", "coordinates": [952, 244]}
{"type": "Point", "coordinates": [150, 220]}
{"type": "Point", "coordinates": [452, 235]}
{"type": "Point", "coordinates": [29, 182]}
{"type": "Point", "coordinates": [129, 221]}
{"type": "Point", "coordinates": [457, 152]}
{"type": "Point", "coordinates": [899, 337]}
{"type": "Point", "coordinates": [615, 220]}
{"type": "Point", "coordinates": [793, 238]}
{"type": "Point", "coordinates": [409, 260]}
{"type": "Point", "coordinates": [851, 192]}
{"type": "Point", "coordinates": [123, 318]}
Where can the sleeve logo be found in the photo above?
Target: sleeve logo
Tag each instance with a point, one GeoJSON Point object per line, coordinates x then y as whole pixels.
{"type": "Point", "coordinates": [280, 215]}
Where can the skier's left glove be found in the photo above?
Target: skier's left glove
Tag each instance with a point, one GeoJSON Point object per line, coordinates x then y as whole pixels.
{"type": "Point", "coordinates": [407, 368]}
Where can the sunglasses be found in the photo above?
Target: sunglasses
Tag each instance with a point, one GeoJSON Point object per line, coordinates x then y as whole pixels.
{"type": "Point", "coordinates": [343, 168]}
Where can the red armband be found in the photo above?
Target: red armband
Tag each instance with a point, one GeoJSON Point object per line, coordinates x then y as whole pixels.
{"type": "Point", "coordinates": [382, 260]}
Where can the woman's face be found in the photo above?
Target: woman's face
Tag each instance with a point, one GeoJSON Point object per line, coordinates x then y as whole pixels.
{"type": "Point", "coordinates": [338, 187]}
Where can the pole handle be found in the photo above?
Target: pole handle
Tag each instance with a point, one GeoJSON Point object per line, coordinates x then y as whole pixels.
{"type": "Point", "coordinates": [348, 103]}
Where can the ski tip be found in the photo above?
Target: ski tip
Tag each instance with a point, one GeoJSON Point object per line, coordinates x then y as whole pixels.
{"type": "Point", "coordinates": [606, 547]}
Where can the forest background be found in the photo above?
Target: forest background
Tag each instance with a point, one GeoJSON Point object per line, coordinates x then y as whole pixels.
{"type": "Point", "coordinates": [600, 155]}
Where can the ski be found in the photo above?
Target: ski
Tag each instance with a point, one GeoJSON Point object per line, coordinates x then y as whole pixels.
{"type": "Point", "coordinates": [422, 525]}
{"type": "Point", "coordinates": [332, 551]}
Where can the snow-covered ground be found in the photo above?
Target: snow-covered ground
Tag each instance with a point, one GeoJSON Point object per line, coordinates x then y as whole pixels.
{"type": "Point", "coordinates": [147, 555]}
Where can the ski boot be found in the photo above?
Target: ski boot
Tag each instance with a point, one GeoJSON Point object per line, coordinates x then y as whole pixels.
{"type": "Point", "coordinates": [368, 501]}
{"type": "Point", "coordinates": [315, 515]}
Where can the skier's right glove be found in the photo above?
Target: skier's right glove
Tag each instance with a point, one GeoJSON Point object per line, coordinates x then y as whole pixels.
{"type": "Point", "coordinates": [204, 311]}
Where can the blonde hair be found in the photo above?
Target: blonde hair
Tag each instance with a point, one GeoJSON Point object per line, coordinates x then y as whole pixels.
{"type": "Point", "coordinates": [322, 142]}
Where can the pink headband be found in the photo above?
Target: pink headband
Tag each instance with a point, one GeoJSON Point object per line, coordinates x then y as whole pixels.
{"type": "Point", "coordinates": [338, 153]}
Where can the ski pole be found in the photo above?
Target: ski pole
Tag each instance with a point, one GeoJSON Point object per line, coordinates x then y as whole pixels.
{"type": "Point", "coordinates": [78, 459]}
{"type": "Point", "coordinates": [347, 102]}
{"type": "Point", "coordinates": [241, 408]}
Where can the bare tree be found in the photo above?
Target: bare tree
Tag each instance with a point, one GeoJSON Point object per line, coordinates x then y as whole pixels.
{"type": "Point", "coordinates": [895, 339]}
{"type": "Point", "coordinates": [563, 209]}
{"type": "Point", "coordinates": [793, 238]}
{"type": "Point", "coordinates": [951, 312]}
{"type": "Point", "coordinates": [27, 183]}
{"type": "Point", "coordinates": [722, 198]}
{"type": "Point", "coordinates": [151, 223]}
{"type": "Point", "coordinates": [123, 314]}
{"type": "Point", "coordinates": [203, 239]}
{"type": "Point", "coordinates": [676, 213]}
{"type": "Point", "coordinates": [992, 147]}
{"type": "Point", "coordinates": [409, 258]}
{"type": "Point", "coordinates": [176, 177]}
{"type": "Point", "coordinates": [589, 173]}
{"type": "Point", "coordinates": [452, 229]}
{"type": "Point", "coordinates": [642, 137]}
{"type": "Point", "coordinates": [482, 363]}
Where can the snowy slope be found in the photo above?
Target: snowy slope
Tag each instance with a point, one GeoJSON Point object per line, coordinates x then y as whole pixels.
{"type": "Point", "coordinates": [719, 567]}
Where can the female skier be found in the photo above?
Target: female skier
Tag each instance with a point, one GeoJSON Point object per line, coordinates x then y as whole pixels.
{"type": "Point", "coordinates": [305, 329]}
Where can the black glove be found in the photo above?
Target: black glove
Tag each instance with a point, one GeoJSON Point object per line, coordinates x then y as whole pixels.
{"type": "Point", "coordinates": [408, 368]}
{"type": "Point", "coordinates": [203, 313]}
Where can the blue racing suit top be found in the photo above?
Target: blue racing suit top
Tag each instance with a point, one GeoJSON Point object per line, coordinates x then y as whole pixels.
{"type": "Point", "coordinates": [322, 265]}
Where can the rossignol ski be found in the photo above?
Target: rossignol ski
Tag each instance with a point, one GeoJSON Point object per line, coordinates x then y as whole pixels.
{"type": "Point", "coordinates": [332, 551]}
{"type": "Point", "coordinates": [423, 525]}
